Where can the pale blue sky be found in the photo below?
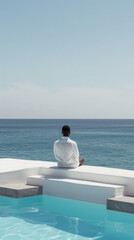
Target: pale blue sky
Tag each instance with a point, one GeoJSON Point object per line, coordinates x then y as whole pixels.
{"type": "Point", "coordinates": [66, 58]}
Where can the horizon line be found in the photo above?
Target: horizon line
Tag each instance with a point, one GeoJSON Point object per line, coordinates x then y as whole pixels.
{"type": "Point", "coordinates": [66, 118]}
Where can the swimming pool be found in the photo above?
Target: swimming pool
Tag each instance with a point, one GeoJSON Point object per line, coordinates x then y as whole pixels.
{"type": "Point", "coordinates": [49, 218]}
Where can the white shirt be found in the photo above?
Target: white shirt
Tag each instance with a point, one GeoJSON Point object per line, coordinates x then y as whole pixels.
{"type": "Point", "coordinates": [66, 152]}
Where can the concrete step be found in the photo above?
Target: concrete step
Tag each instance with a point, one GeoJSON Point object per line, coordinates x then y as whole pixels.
{"type": "Point", "coordinates": [76, 189]}
{"type": "Point", "coordinates": [36, 180]}
{"type": "Point", "coordinates": [121, 204]}
{"type": "Point", "coordinates": [19, 190]}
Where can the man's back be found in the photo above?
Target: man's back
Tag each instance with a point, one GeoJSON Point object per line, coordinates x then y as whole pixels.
{"type": "Point", "coordinates": [66, 152]}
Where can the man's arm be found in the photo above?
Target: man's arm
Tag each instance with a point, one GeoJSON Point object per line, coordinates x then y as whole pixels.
{"type": "Point", "coordinates": [76, 152]}
{"type": "Point", "coordinates": [55, 153]}
{"type": "Point", "coordinates": [81, 160]}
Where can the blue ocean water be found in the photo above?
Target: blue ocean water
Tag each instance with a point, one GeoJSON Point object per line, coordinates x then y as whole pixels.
{"type": "Point", "coordinates": [107, 143]}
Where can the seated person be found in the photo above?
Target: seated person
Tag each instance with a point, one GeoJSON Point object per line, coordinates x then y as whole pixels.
{"type": "Point", "coordinates": [66, 150]}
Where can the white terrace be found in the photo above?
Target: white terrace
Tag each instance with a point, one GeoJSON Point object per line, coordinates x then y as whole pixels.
{"type": "Point", "coordinates": [114, 187]}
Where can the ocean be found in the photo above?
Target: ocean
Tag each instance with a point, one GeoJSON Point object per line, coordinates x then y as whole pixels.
{"type": "Point", "coordinates": [108, 143]}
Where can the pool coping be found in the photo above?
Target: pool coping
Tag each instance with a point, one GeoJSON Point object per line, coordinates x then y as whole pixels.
{"type": "Point", "coordinates": [20, 190]}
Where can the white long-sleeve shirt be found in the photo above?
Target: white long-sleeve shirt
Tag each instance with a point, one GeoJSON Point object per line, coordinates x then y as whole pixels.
{"type": "Point", "coordinates": [66, 152]}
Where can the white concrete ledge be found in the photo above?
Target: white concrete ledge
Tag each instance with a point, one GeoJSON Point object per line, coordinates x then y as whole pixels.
{"type": "Point", "coordinates": [24, 168]}
{"type": "Point", "coordinates": [81, 190]}
{"type": "Point", "coordinates": [17, 170]}
{"type": "Point", "coordinates": [76, 189]}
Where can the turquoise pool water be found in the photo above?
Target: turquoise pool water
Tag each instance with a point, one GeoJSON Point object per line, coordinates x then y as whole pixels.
{"type": "Point", "coordinates": [50, 218]}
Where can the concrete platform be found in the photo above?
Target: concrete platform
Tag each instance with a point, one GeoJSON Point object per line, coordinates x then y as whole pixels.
{"type": "Point", "coordinates": [121, 204]}
{"type": "Point", "coordinates": [20, 190]}
{"type": "Point", "coordinates": [81, 190]}
{"type": "Point", "coordinates": [12, 170]}
{"type": "Point", "coordinates": [76, 189]}
{"type": "Point", "coordinates": [37, 180]}
{"type": "Point", "coordinates": [18, 170]}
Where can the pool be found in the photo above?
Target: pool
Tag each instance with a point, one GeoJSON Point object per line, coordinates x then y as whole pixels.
{"type": "Point", "coordinates": [50, 218]}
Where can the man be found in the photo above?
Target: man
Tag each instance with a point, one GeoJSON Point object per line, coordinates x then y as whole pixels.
{"type": "Point", "coordinates": [66, 150]}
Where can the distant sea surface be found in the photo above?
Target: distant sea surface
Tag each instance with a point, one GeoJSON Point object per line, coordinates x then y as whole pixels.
{"type": "Point", "coordinates": [107, 143]}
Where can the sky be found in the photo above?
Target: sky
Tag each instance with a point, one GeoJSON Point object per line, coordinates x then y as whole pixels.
{"type": "Point", "coordinates": [67, 59]}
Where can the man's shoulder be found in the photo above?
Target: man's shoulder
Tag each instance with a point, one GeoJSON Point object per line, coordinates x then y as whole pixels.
{"type": "Point", "coordinates": [62, 141]}
{"type": "Point", "coordinates": [71, 141]}
{"type": "Point", "coordinates": [56, 141]}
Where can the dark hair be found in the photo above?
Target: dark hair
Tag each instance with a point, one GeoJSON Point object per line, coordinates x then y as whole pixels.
{"type": "Point", "coordinates": [66, 128]}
